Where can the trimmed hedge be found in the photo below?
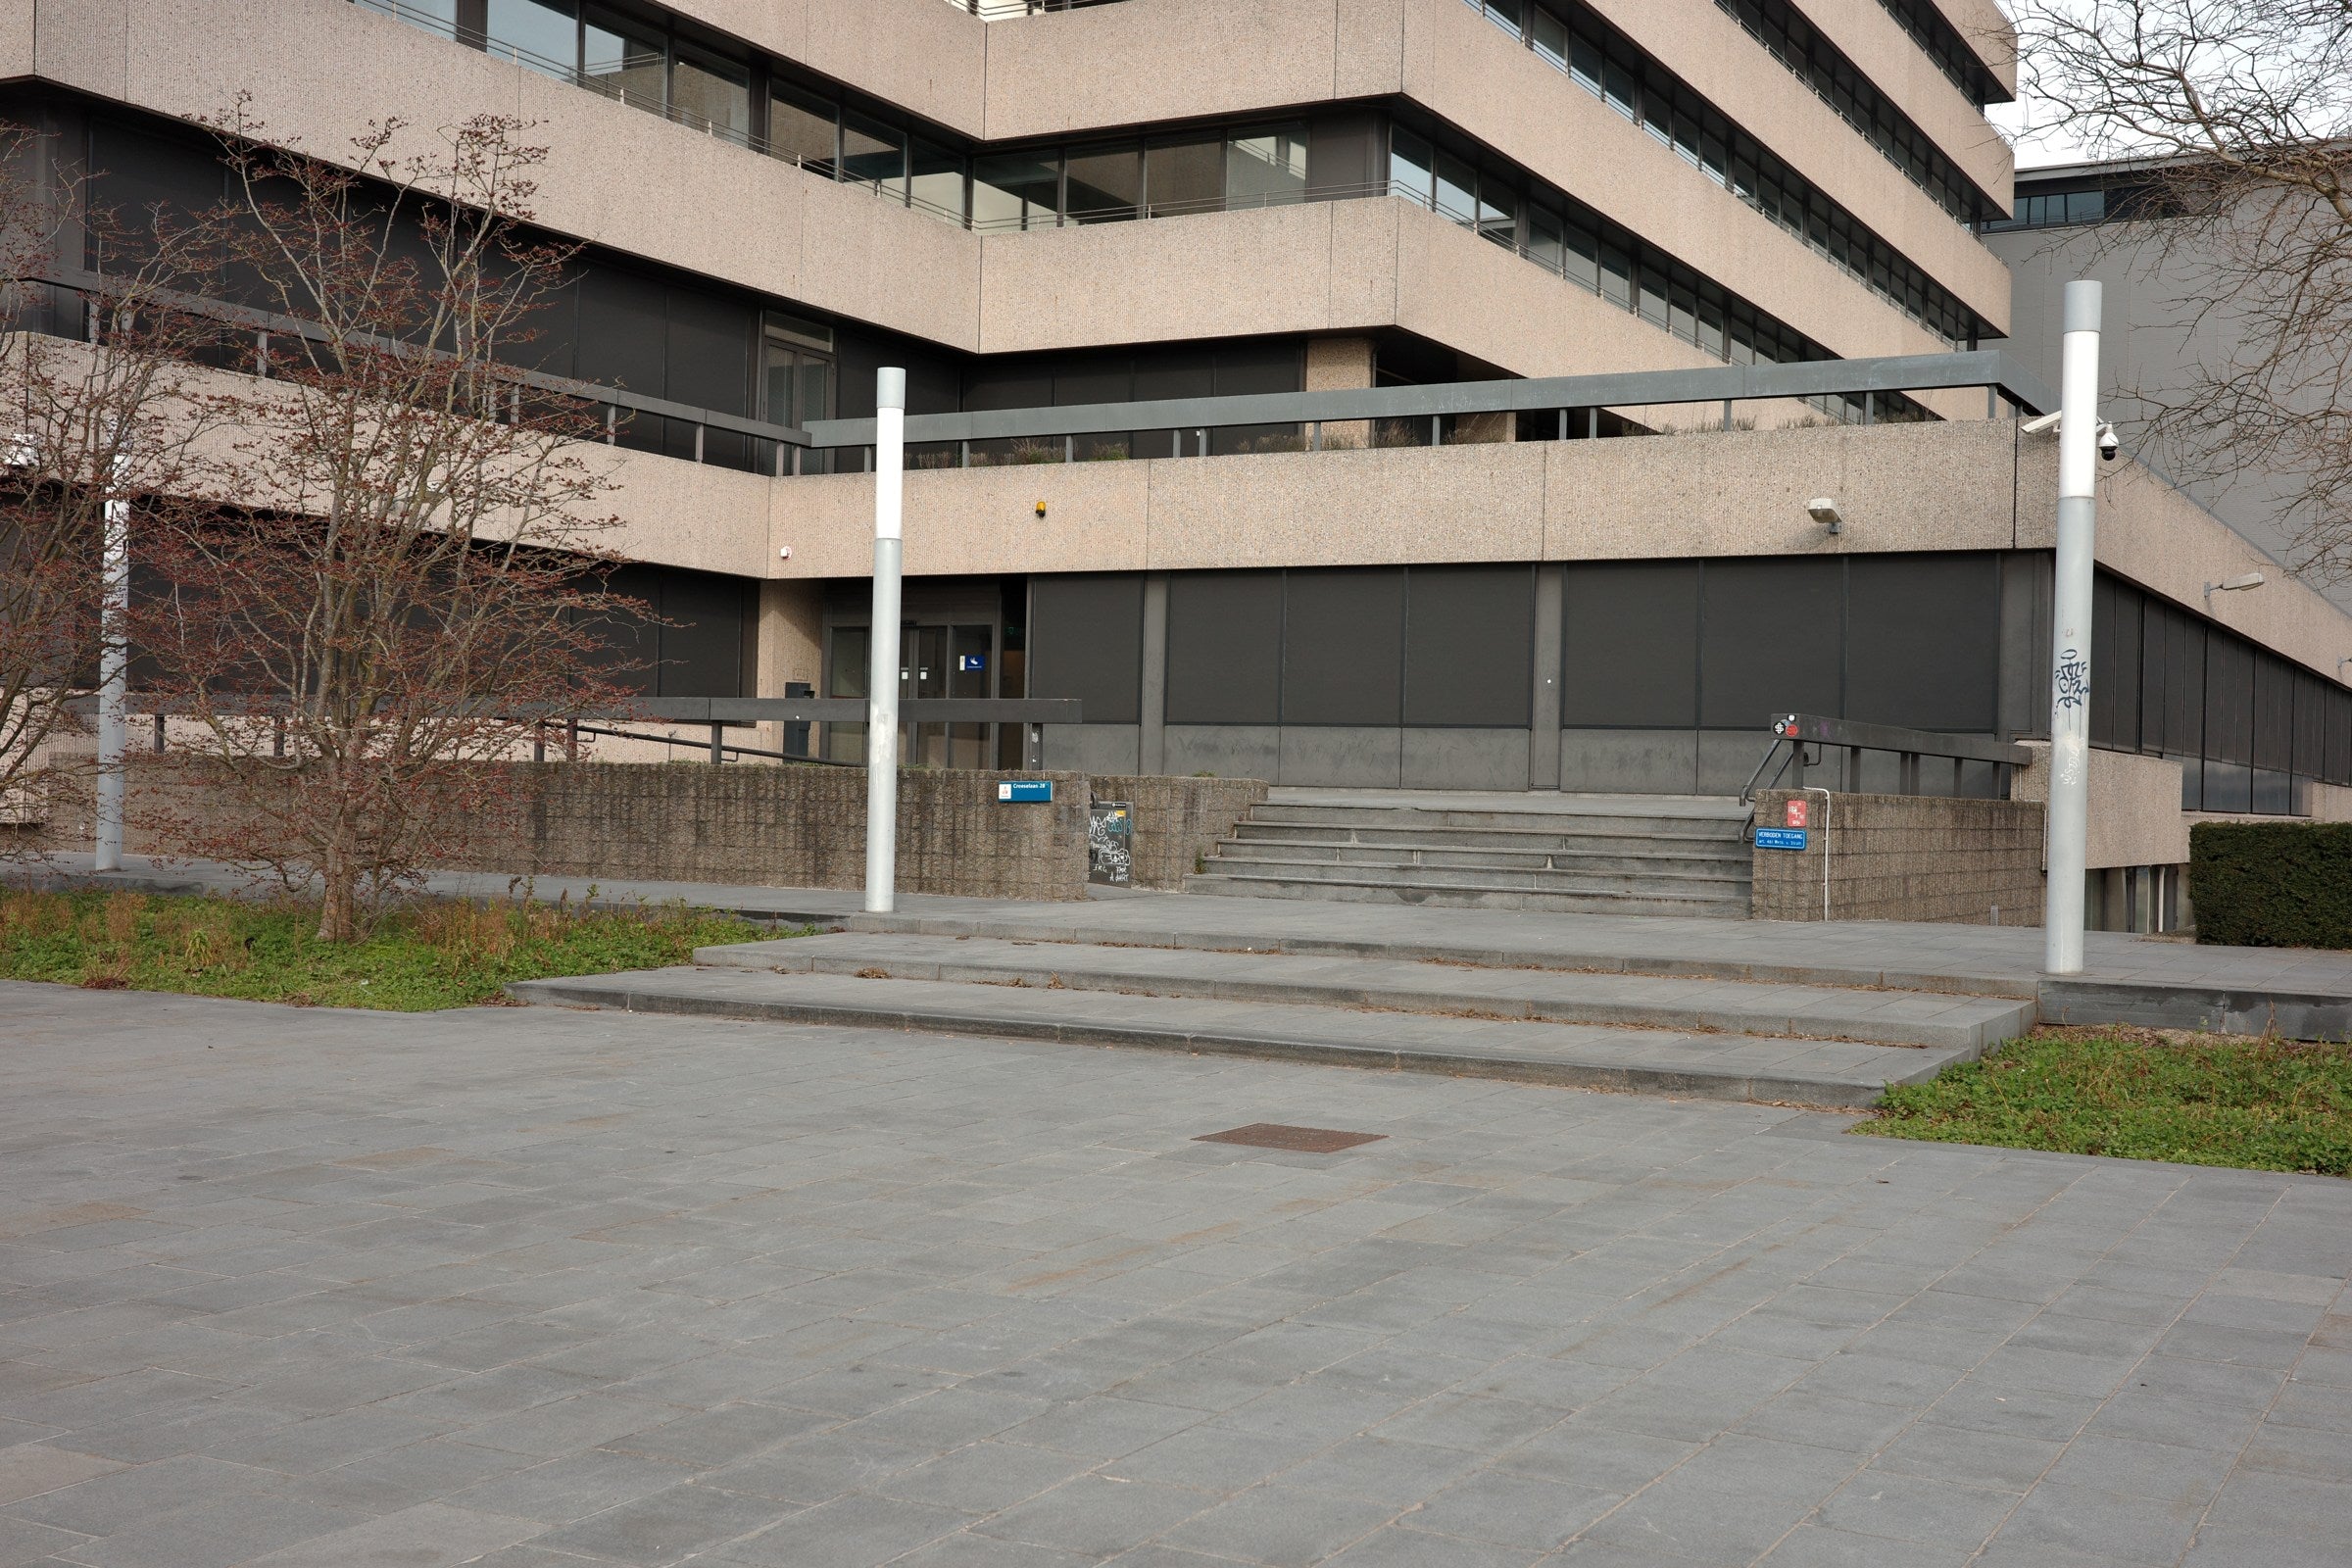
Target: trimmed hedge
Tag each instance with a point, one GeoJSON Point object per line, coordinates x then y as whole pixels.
{"type": "Point", "coordinates": [2272, 884]}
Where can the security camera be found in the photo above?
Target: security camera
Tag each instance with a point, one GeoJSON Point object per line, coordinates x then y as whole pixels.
{"type": "Point", "coordinates": [2109, 446]}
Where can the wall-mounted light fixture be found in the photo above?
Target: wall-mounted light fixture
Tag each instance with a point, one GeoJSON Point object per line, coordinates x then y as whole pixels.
{"type": "Point", "coordinates": [2231, 585]}
{"type": "Point", "coordinates": [1824, 510]}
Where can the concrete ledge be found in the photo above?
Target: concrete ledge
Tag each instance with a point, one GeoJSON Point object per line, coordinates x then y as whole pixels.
{"type": "Point", "coordinates": [1713, 1067]}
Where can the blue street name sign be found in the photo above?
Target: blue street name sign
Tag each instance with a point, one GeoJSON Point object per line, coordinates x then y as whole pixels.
{"type": "Point", "coordinates": [1781, 838]}
{"type": "Point", "coordinates": [1022, 791]}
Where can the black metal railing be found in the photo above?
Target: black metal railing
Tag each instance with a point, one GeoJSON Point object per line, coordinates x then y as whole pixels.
{"type": "Point", "coordinates": [1804, 740]}
{"type": "Point", "coordinates": [1442, 414]}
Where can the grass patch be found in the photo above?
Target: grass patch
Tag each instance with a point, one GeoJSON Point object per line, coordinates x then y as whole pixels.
{"type": "Point", "coordinates": [439, 953]}
{"type": "Point", "coordinates": [2137, 1094]}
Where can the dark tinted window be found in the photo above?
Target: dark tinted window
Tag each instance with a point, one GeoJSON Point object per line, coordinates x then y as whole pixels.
{"type": "Point", "coordinates": [1086, 640]}
{"type": "Point", "coordinates": [1769, 636]}
{"type": "Point", "coordinates": [1225, 648]}
{"type": "Point", "coordinates": [702, 647]}
{"type": "Point", "coordinates": [1631, 645]}
{"type": "Point", "coordinates": [1342, 647]}
{"type": "Point", "coordinates": [1469, 645]}
{"type": "Point", "coordinates": [1922, 640]}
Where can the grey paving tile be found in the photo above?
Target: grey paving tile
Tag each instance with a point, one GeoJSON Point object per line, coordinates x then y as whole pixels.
{"type": "Point", "coordinates": [1811, 1546]}
{"type": "Point", "coordinates": [2055, 1518]}
{"type": "Point", "coordinates": [665, 1526]}
{"type": "Point", "coordinates": [218, 1535]}
{"type": "Point", "coordinates": [984, 1478]}
{"type": "Point", "coordinates": [429, 1535]}
{"type": "Point", "coordinates": [1282, 1526]}
{"type": "Point", "coordinates": [1098, 1516]}
{"type": "Point", "coordinates": [852, 1532]}
{"type": "Point", "coordinates": [1886, 1503]}
{"type": "Point", "coordinates": [556, 1491]}
{"type": "Point", "coordinates": [957, 1273]}
{"type": "Point", "coordinates": [1513, 1511]}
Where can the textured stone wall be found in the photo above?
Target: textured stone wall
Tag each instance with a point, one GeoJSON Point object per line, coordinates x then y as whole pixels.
{"type": "Point", "coordinates": [1904, 857]}
{"type": "Point", "coordinates": [1177, 820]}
{"type": "Point", "coordinates": [792, 826]}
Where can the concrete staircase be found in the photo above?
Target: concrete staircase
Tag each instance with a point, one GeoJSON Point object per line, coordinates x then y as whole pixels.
{"type": "Point", "coordinates": [1591, 854]}
{"type": "Point", "coordinates": [1586, 1020]}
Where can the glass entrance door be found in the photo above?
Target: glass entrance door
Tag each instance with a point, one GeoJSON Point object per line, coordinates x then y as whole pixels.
{"type": "Point", "coordinates": [934, 662]}
{"type": "Point", "coordinates": [923, 673]}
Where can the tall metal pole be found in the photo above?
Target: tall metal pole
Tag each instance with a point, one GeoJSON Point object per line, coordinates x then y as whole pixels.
{"type": "Point", "coordinates": [2070, 633]}
{"type": "Point", "coordinates": [113, 676]}
{"type": "Point", "coordinates": [882, 673]}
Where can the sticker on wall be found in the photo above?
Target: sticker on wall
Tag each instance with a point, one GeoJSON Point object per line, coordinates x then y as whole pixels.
{"type": "Point", "coordinates": [1796, 812]}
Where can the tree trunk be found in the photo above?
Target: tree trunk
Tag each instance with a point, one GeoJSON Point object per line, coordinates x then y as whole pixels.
{"type": "Point", "coordinates": [338, 917]}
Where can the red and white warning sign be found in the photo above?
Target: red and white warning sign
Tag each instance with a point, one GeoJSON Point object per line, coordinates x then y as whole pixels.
{"type": "Point", "coordinates": [1796, 814]}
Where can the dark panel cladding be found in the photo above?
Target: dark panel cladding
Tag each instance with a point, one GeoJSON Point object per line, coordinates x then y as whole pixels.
{"type": "Point", "coordinates": [1086, 640]}
{"type": "Point", "coordinates": [709, 350]}
{"type": "Point", "coordinates": [1469, 646]}
{"type": "Point", "coordinates": [1769, 636]}
{"type": "Point", "coordinates": [135, 175]}
{"type": "Point", "coordinates": [1225, 648]}
{"type": "Point", "coordinates": [702, 647]}
{"type": "Point", "coordinates": [1922, 640]}
{"type": "Point", "coordinates": [623, 331]}
{"type": "Point", "coordinates": [1630, 652]}
{"type": "Point", "coordinates": [698, 652]}
{"type": "Point", "coordinates": [1343, 646]}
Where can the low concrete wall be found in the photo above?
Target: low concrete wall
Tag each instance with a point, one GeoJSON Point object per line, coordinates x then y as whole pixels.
{"type": "Point", "coordinates": [1904, 857]}
{"type": "Point", "coordinates": [799, 826]}
{"type": "Point", "coordinates": [793, 827]}
{"type": "Point", "coordinates": [1177, 820]}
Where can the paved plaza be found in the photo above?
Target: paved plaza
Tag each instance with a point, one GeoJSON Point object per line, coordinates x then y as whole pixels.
{"type": "Point", "coordinates": [533, 1288]}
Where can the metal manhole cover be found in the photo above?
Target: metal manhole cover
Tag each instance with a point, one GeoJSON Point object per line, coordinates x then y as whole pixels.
{"type": "Point", "coordinates": [1298, 1140]}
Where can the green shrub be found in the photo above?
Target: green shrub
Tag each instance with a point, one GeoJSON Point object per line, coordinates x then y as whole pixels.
{"type": "Point", "coordinates": [2272, 884]}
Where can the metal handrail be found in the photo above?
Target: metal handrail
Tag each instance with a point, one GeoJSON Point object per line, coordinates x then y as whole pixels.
{"type": "Point", "coordinates": [1797, 731]}
{"type": "Point", "coordinates": [1994, 369]}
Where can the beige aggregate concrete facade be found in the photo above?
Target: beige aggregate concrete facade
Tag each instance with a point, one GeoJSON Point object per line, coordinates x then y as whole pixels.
{"type": "Point", "coordinates": [1985, 27]}
{"type": "Point", "coordinates": [1712, 52]}
{"type": "Point", "coordinates": [1914, 83]}
{"type": "Point", "coordinates": [636, 182]}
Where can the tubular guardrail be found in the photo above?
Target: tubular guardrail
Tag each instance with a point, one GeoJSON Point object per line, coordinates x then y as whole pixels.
{"type": "Point", "coordinates": [1792, 733]}
{"type": "Point", "coordinates": [1389, 415]}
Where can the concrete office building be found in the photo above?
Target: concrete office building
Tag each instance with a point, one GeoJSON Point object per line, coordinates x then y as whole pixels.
{"type": "Point", "coordinates": [1273, 369]}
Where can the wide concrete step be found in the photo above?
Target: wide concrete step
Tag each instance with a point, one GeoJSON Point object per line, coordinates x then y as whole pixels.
{"type": "Point", "coordinates": [1485, 820]}
{"type": "Point", "coordinates": [1727, 1066]}
{"type": "Point", "coordinates": [1443, 896]}
{"type": "Point", "coordinates": [1698, 882]}
{"type": "Point", "coordinates": [1530, 839]}
{"type": "Point", "coordinates": [1627, 862]}
{"type": "Point", "coordinates": [1644, 1000]}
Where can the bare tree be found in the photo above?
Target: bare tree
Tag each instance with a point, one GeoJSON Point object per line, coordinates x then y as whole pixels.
{"type": "Point", "coordinates": [87, 419]}
{"type": "Point", "coordinates": [2241, 111]}
{"type": "Point", "coordinates": [401, 577]}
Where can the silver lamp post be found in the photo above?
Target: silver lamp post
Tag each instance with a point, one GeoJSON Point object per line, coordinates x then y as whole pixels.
{"type": "Point", "coordinates": [882, 673]}
{"type": "Point", "coordinates": [2070, 632]}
